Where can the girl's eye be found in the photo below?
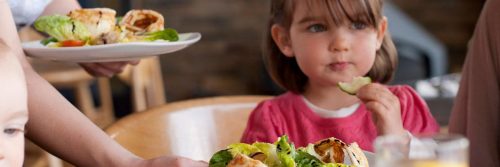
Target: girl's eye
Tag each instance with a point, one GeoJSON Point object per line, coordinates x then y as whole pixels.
{"type": "Point", "coordinates": [12, 131]}
{"type": "Point", "coordinates": [316, 28]}
{"type": "Point", "coordinates": [358, 25]}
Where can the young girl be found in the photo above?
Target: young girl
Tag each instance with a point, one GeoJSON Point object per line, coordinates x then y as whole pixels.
{"type": "Point", "coordinates": [13, 110]}
{"type": "Point", "coordinates": [312, 45]}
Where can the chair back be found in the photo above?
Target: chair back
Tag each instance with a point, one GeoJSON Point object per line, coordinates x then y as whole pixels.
{"type": "Point", "coordinates": [146, 82]}
{"type": "Point", "coordinates": [191, 128]}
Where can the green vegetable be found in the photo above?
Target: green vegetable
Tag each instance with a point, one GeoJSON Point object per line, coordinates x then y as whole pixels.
{"type": "Point", "coordinates": [353, 86]}
{"type": "Point", "coordinates": [307, 157]}
{"type": "Point", "coordinates": [280, 154]}
{"type": "Point", "coordinates": [242, 148]}
{"type": "Point", "coordinates": [286, 151]}
{"type": "Point", "coordinates": [62, 28]}
{"type": "Point", "coordinates": [119, 19]}
{"type": "Point", "coordinates": [304, 159]}
{"type": "Point", "coordinates": [168, 34]}
{"type": "Point", "coordinates": [46, 41]}
{"type": "Point", "coordinates": [269, 150]}
{"type": "Point", "coordinates": [220, 159]}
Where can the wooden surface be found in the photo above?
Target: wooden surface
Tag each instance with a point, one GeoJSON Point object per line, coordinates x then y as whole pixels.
{"type": "Point", "coordinates": [192, 128]}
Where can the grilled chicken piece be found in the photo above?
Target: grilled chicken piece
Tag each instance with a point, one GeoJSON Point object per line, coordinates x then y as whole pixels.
{"type": "Point", "coordinates": [333, 150]}
{"type": "Point", "coordinates": [330, 150]}
{"type": "Point", "coordinates": [141, 21]}
{"type": "Point", "coordinates": [99, 21]}
{"type": "Point", "coordinates": [244, 161]}
{"type": "Point", "coordinates": [108, 37]}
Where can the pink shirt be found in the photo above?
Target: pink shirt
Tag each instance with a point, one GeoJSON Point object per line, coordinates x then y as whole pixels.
{"type": "Point", "coordinates": [288, 114]}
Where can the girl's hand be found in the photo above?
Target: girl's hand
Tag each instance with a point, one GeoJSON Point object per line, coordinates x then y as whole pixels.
{"type": "Point", "coordinates": [385, 108]}
{"type": "Point", "coordinates": [107, 69]}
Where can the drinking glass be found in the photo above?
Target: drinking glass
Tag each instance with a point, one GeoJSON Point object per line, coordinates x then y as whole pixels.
{"type": "Point", "coordinates": [443, 150]}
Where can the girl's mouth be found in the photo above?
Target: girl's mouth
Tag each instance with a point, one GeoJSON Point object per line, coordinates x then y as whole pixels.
{"type": "Point", "coordinates": [339, 66]}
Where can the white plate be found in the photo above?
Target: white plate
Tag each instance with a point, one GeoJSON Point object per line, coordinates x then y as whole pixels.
{"type": "Point", "coordinates": [369, 156]}
{"type": "Point", "coordinates": [110, 52]}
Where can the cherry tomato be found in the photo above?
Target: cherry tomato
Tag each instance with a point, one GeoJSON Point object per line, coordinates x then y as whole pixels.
{"type": "Point", "coordinates": [72, 43]}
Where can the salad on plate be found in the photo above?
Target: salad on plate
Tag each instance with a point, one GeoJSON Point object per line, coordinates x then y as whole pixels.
{"type": "Point", "coordinates": [100, 26]}
{"type": "Point", "coordinates": [330, 152]}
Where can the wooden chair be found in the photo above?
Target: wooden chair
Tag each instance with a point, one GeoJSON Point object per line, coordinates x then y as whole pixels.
{"type": "Point", "coordinates": [192, 128]}
{"type": "Point", "coordinates": [146, 82]}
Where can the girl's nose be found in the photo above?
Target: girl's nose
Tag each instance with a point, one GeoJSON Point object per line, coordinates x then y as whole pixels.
{"type": "Point", "coordinates": [339, 41]}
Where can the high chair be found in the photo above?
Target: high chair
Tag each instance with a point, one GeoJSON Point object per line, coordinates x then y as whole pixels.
{"type": "Point", "coordinates": [191, 128]}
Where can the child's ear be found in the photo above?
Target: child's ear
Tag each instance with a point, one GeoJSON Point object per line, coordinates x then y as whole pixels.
{"type": "Point", "coordinates": [381, 32]}
{"type": "Point", "coordinates": [282, 40]}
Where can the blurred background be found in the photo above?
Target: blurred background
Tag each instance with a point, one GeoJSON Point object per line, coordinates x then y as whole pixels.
{"type": "Point", "coordinates": [431, 37]}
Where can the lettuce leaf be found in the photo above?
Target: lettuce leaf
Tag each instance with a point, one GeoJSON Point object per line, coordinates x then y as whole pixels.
{"type": "Point", "coordinates": [310, 150]}
{"type": "Point", "coordinates": [242, 148]}
{"type": "Point", "coordinates": [280, 154]}
{"type": "Point", "coordinates": [220, 159]}
{"type": "Point", "coordinates": [168, 34]}
{"type": "Point", "coordinates": [62, 28]}
{"type": "Point", "coordinates": [269, 150]}
{"type": "Point", "coordinates": [286, 151]}
{"type": "Point", "coordinates": [46, 41]}
{"type": "Point", "coordinates": [304, 159]}
{"type": "Point", "coordinates": [312, 156]}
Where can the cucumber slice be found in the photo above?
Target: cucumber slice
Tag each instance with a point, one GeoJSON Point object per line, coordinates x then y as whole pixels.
{"type": "Point", "coordinates": [353, 86]}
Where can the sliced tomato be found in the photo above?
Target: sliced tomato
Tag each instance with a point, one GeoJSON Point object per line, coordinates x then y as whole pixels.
{"type": "Point", "coordinates": [72, 43]}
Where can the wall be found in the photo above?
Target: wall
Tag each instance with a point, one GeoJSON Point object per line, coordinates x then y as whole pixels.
{"type": "Point", "coordinates": [228, 59]}
{"type": "Point", "coordinates": [450, 21]}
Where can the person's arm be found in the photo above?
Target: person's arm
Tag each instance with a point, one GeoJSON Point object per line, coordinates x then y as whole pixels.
{"type": "Point", "coordinates": [476, 109]}
{"type": "Point", "coordinates": [61, 7]}
{"type": "Point", "coordinates": [108, 69]}
{"type": "Point", "coordinates": [57, 126]}
{"type": "Point", "coordinates": [54, 123]}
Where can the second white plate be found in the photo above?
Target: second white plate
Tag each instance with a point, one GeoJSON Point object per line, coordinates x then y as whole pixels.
{"type": "Point", "coordinates": [110, 52]}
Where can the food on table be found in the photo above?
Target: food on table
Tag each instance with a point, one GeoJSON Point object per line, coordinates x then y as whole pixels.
{"type": "Point", "coordinates": [325, 153]}
{"type": "Point", "coordinates": [98, 26]}
{"type": "Point", "coordinates": [353, 86]}
{"type": "Point", "coordinates": [241, 160]}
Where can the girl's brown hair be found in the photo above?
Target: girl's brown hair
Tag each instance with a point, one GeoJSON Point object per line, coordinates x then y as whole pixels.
{"type": "Point", "coordinates": [285, 70]}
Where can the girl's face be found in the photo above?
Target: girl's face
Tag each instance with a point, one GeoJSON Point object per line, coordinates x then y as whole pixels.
{"type": "Point", "coordinates": [328, 52]}
{"type": "Point", "coordinates": [13, 112]}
